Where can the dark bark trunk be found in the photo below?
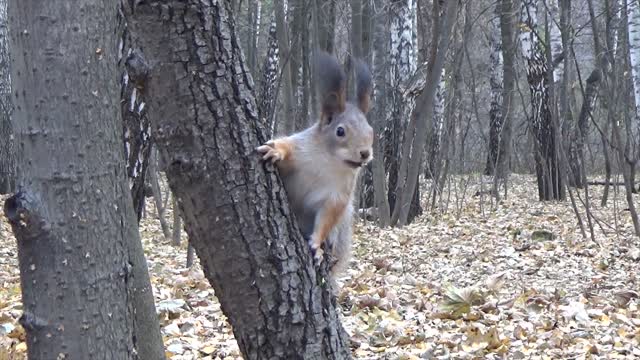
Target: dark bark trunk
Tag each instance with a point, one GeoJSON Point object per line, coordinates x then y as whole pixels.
{"type": "Point", "coordinates": [252, 36]}
{"type": "Point", "coordinates": [72, 215]}
{"type": "Point", "coordinates": [235, 211]}
{"type": "Point", "coordinates": [135, 123]}
{"type": "Point", "coordinates": [378, 117]}
{"type": "Point", "coordinates": [177, 223]}
{"type": "Point", "coordinates": [545, 131]}
{"type": "Point", "coordinates": [287, 120]}
{"type": "Point", "coordinates": [190, 256]}
{"type": "Point", "coordinates": [507, 34]}
{"type": "Point", "coordinates": [136, 135]}
{"type": "Point", "coordinates": [157, 195]}
{"type": "Point", "coordinates": [577, 176]}
{"type": "Point", "coordinates": [325, 24]}
{"type": "Point", "coordinates": [7, 151]}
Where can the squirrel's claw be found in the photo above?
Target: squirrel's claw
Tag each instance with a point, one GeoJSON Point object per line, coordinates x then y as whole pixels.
{"type": "Point", "coordinates": [316, 250]}
{"type": "Point", "coordinates": [269, 152]}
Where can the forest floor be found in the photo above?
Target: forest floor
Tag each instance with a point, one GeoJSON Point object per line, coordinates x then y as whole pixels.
{"type": "Point", "coordinates": [515, 280]}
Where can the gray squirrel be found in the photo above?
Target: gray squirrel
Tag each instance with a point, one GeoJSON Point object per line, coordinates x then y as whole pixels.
{"type": "Point", "coordinates": [319, 166]}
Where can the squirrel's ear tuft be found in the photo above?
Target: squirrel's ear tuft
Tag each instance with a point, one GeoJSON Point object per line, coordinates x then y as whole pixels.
{"type": "Point", "coordinates": [331, 85]}
{"type": "Point", "coordinates": [364, 86]}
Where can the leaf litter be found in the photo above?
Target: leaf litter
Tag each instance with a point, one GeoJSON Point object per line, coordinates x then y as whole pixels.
{"type": "Point", "coordinates": [513, 280]}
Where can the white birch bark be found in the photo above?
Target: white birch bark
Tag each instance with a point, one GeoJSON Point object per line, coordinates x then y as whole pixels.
{"type": "Point", "coordinates": [634, 50]}
{"type": "Point", "coordinates": [555, 39]}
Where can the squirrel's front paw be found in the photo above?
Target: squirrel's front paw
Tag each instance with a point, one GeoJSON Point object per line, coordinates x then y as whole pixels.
{"type": "Point", "coordinates": [269, 152]}
{"type": "Point", "coordinates": [317, 251]}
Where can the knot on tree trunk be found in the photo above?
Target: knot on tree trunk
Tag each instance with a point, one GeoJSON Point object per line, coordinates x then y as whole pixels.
{"type": "Point", "coordinates": [137, 68]}
{"type": "Point", "coordinates": [20, 210]}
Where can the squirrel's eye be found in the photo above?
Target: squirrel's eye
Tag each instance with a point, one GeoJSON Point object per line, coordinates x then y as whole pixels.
{"type": "Point", "coordinates": [340, 131]}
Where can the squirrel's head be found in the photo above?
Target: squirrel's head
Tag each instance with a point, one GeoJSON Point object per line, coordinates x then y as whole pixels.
{"type": "Point", "coordinates": [344, 124]}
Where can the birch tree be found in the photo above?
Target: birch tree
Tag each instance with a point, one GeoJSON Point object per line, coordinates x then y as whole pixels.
{"type": "Point", "coordinates": [549, 178]}
{"type": "Point", "coordinates": [403, 65]}
{"type": "Point", "coordinates": [268, 83]}
{"type": "Point", "coordinates": [435, 141]}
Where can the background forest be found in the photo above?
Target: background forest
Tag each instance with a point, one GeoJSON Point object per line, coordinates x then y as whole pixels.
{"type": "Point", "coordinates": [497, 220]}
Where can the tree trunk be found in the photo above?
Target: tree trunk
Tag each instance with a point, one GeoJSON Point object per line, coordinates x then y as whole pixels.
{"type": "Point", "coordinates": [7, 152]}
{"type": "Point", "coordinates": [177, 223]}
{"type": "Point", "coordinates": [253, 19]}
{"type": "Point", "coordinates": [379, 116]}
{"type": "Point", "coordinates": [135, 123]}
{"type": "Point", "coordinates": [548, 174]}
{"type": "Point", "coordinates": [325, 24]}
{"type": "Point", "coordinates": [422, 117]}
{"type": "Point", "coordinates": [576, 150]}
{"type": "Point", "coordinates": [495, 81]}
{"type": "Point", "coordinates": [287, 125]}
{"type": "Point", "coordinates": [434, 145]}
{"type": "Point", "coordinates": [403, 63]}
{"type": "Point", "coordinates": [507, 33]}
{"type": "Point", "coordinates": [266, 100]}
{"type": "Point", "coordinates": [136, 135]}
{"type": "Point", "coordinates": [72, 216]}
{"type": "Point", "coordinates": [157, 195]}
{"type": "Point", "coordinates": [234, 210]}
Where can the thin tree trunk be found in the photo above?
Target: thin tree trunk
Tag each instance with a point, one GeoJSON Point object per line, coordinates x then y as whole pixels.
{"type": "Point", "coordinates": [495, 81]}
{"type": "Point", "coordinates": [399, 130]}
{"type": "Point", "coordinates": [284, 50]}
{"type": "Point", "coordinates": [266, 100]}
{"type": "Point", "coordinates": [434, 144]}
{"type": "Point", "coordinates": [325, 24]}
{"type": "Point", "coordinates": [422, 117]}
{"type": "Point", "coordinates": [7, 152]}
{"type": "Point", "coordinates": [190, 255]}
{"type": "Point", "coordinates": [545, 131]}
{"type": "Point", "coordinates": [234, 209]}
{"type": "Point", "coordinates": [576, 150]}
{"type": "Point", "coordinates": [157, 195]}
{"type": "Point", "coordinates": [379, 116]}
{"type": "Point", "coordinates": [136, 135]}
{"type": "Point", "coordinates": [73, 217]}
{"type": "Point", "coordinates": [135, 123]}
{"type": "Point", "coordinates": [507, 33]}
{"type": "Point", "coordinates": [177, 223]}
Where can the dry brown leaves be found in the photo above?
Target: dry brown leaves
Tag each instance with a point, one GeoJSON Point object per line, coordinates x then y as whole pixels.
{"type": "Point", "coordinates": [514, 280]}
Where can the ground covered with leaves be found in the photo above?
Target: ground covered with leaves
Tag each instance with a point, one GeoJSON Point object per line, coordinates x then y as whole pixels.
{"type": "Point", "coordinates": [514, 279]}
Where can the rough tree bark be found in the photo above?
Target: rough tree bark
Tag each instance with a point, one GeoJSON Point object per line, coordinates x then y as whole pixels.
{"type": "Point", "coordinates": [422, 117]}
{"type": "Point", "coordinates": [548, 173]}
{"type": "Point", "coordinates": [495, 81]}
{"type": "Point", "coordinates": [235, 211]}
{"type": "Point", "coordinates": [576, 150]}
{"type": "Point", "coordinates": [266, 100]}
{"type": "Point", "coordinates": [403, 65]}
{"type": "Point", "coordinates": [136, 135]}
{"type": "Point", "coordinates": [72, 215]}
{"type": "Point", "coordinates": [434, 143]}
{"type": "Point", "coordinates": [7, 152]}
{"type": "Point", "coordinates": [135, 123]}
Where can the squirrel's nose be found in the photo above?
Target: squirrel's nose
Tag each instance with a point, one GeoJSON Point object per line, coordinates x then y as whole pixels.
{"type": "Point", "coordinates": [364, 154]}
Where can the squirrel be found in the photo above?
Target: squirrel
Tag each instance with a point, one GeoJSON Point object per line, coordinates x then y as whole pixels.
{"type": "Point", "coordinates": [319, 166]}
